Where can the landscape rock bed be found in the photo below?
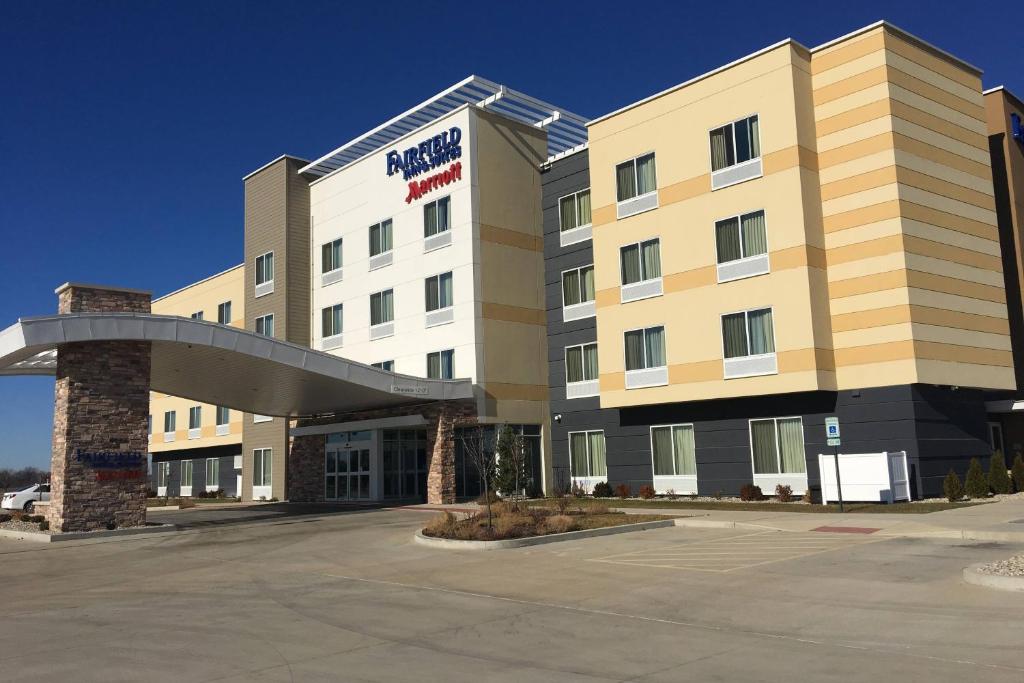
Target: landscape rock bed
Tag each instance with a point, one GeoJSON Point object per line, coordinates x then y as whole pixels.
{"type": "Point", "coordinates": [23, 527]}
{"type": "Point", "coordinates": [1011, 567]}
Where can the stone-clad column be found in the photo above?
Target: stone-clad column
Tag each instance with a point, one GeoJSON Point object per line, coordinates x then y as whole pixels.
{"type": "Point", "coordinates": [441, 442]}
{"type": "Point", "coordinates": [101, 406]}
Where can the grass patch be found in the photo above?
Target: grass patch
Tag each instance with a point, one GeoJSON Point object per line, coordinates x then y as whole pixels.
{"type": "Point", "coordinates": [216, 501]}
{"type": "Point", "coordinates": [512, 520]}
{"type": "Point", "coordinates": [894, 508]}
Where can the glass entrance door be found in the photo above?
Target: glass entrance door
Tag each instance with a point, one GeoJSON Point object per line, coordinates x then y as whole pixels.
{"type": "Point", "coordinates": [347, 474]}
{"type": "Point", "coordinates": [405, 464]}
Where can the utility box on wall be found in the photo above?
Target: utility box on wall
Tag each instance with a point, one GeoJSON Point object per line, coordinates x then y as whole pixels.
{"type": "Point", "coordinates": [866, 477]}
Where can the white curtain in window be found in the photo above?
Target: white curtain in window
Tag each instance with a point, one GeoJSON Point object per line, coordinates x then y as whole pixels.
{"type": "Point", "coordinates": [583, 208]}
{"type": "Point", "coordinates": [721, 148]}
{"type": "Point", "coordinates": [727, 240]}
{"type": "Point", "coordinates": [762, 443]}
{"type": "Point", "coordinates": [186, 472]}
{"type": "Point", "coordinates": [651, 259]}
{"type": "Point", "coordinates": [755, 137]}
{"type": "Point", "coordinates": [634, 350]}
{"type": "Point", "coordinates": [446, 290]}
{"type": "Point", "coordinates": [434, 365]}
{"type": "Point", "coordinates": [587, 290]}
{"type": "Point", "coordinates": [655, 342]}
{"type": "Point", "coordinates": [574, 364]}
{"type": "Point", "coordinates": [755, 240]}
{"type": "Point", "coordinates": [590, 362]}
{"type": "Point", "coordinates": [578, 454]}
{"type": "Point", "coordinates": [444, 214]}
{"type": "Point", "coordinates": [685, 453]}
{"type": "Point", "coordinates": [267, 462]}
{"type": "Point", "coordinates": [388, 305]}
{"type": "Point", "coordinates": [791, 445]}
{"type": "Point", "coordinates": [661, 447]}
{"type": "Point", "coordinates": [447, 364]}
{"type": "Point", "coordinates": [625, 179]}
{"type": "Point", "coordinates": [567, 212]}
{"type": "Point", "coordinates": [645, 176]}
{"type": "Point", "coordinates": [734, 335]}
{"type": "Point", "coordinates": [598, 467]}
{"type": "Point", "coordinates": [430, 219]}
{"type": "Point", "coordinates": [385, 232]}
{"type": "Point", "coordinates": [762, 337]}
{"type": "Point", "coordinates": [571, 287]}
{"type": "Point", "coordinates": [433, 294]}
{"type": "Point", "coordinates": [630, 264]}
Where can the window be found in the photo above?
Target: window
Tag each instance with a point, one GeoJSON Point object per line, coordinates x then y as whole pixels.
{"type": "Point", "coordinates": [574, 210]}
{"type": "Point", "coordinates": [265, 325]}
{"type": "Point", "coordinates": [223, 415]}
{"type": "Point", "coordinates": [212, 474]}
{"type": "Point", "coordinates": [382, 308]}
{"type": "Point", "coordinates": [330, 256]}
{"type": "Point", "coordinates": [645, 348]}
{"type": "Point", "coordinates": [387, 365]}
{"type": "Point", "coordinates": [439, 291]}
{"type": "Point", "coordinates": [749, 333]}
{"type": "Point", "coordinates": [635, 178]}
{"type": "Point", "coordinates": [380, 238]}
{"type": "Point", "coordinates": [587, 454]}
{"type": "Point", "coordinates": [437, 217]}
{"type": "Point", "coordinates": [261, 462]}
{"type": "Point", "coordinates": [265, 274]}
{"type": "Point", "coordinates": [741, 237]}
{"type": "Point", "coordinates": [224, 313]}
{"type": "Point", "coordinates": [195, 417]}
{"type": "Point", "coordinates": [641, 261]}
{"type": "Point", "coordinates": [261, 418]}
{"type": "Point", "coordinates": [777, 446]}
{"type": "Point", "coordinates": [163, 473]}
{"type": "Point", "coordinates": [149, 425]}
{"type": "Point", "coordinates": [198, 315]}
{"type": "Point", "coordinates": [581, 363]}
{"type": "Point", "coordinates": [170, 418]}
{"type": "Point", "coordinates": [186, 474]}
{"type": "Point", "coordinates": [331, 321]}
{"type": "Point", "coordinates": [735, 143]}
{"type": "Point", "coordinates": [441, 364]}
{"type": "Point", "coordinates": [578, 286]}
{"type": "Point", "coordinates": [672, 451]}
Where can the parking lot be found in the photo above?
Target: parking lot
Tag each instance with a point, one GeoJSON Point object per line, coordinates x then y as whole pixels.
{"type": "Point", "coordinates": [348, 596]}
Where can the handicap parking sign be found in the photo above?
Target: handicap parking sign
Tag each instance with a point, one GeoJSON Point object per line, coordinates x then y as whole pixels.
{"type": "Point", "coordinates": [832, 430]}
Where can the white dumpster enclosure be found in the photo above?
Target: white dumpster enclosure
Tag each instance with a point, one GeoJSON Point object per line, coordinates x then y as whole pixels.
{"type": "Point", "coordinates": [866, 477]}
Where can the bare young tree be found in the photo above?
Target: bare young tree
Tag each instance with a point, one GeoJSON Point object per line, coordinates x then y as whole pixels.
{"type": "Point", "coordinates": [511, 465]}
{"type": "Point", "coordinates": [478, 446]}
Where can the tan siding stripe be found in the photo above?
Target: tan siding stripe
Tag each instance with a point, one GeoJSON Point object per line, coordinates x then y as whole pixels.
{"type": "Point", "coordinates": [855, 150]}
{"type": "Point", "coordinates": [859, 183]}
{"type": "Point", "coordinates": [930, 61]}
{"type": "Point", "coordinates": [850, 85]}
{"type": "Point", "coordinates": [511, 238]}
{"type": "Point", "coordinates": [513, 314]}
{"type": "Point", "coordinates": [936, 94]}
{"type": "Point", "coordinates": [926, 315]}
{"type": "Point", "coordinates": [691, 279]}
{"type": "Point", "coordinates": [948, 252]}
{"type": "Point", "coordinates": [864, 250]}
{"type": "Point", "coordinates": [927, 214]}
{"type": "Point", "coordinates": [608, 297]}
{"type": "Point", "coordinates": [516, 392]}
{"type": "Point", "coordinates": [686, 189]}
{"type": "Point", "coordinates": [941, 126]}
{"type": "Point", "coordinates": [896, 279]}
{"type": "Point", "coordinates": [946, 189]}
{"type": "Point", "coordinates": [941, 156]}
{"type": "Point", "coordinates": [603, 215]}
{"type": "Point", "coordinates": [963, 354]}
{"type": "Point", "coordinates": [865, 216]}
{"type": "Point", "coordinates": [830, 60]}
{"type": "Point", "coordinates": [853, 117]}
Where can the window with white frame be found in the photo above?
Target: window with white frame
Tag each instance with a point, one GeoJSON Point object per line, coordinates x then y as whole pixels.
{"type": "Point", "coordinates": [264, 273]}
{"type": "Point", "coordinates": [163, 473]}
{"type": "Point", "coordinates": [777, 446]}
{"type": "Point", "coordinates": [672, 451]}
{"type": "Point", "coordinates": [635, 178]}
{"type": "Point", "coordinates": [645, 348]}
{"type": "Point", "coordinates": [735, 143]}
{"type": "Point", "coordinates": [265, 325]}
{"type": "Point", "coordinates": [581, 363]}
{"type": "Point", "coordinates": [438, 291]}
{"type": "Point", "coordinates": [578, 286]}
{"type": "Point", "coordinates": [587, 457]}
{"type": "Point", "coordinates": [186, 474]}
{"type": "Point", "coordinates": [170, 418]}
{"type": "Point", "coordinates": [382, 307]}
{"type": "Point", "coordinates": [741, 237]}
{"type": "Point", "coordinates": [330, 256]}
{"type": "Point", "coordinates": [386, 365]}
{"type": "Point", "coordinates": [748, 333]}
{"type": "Point", "coordinates": [224, 313]}
{"type": "Point", "coordinates": [223, 415]}
{"type": "Point", "coordinates": [640, 269]}
{"type": "Point", "coordinates": [212, 474]}
{"type": "Point", "coordinates": [437, 216]}
{"type": "Point", "coordinates": [195, 417]}
{"type": "Point", "coordinates": [331, 321]}
{"type": "Point", "coordinates": [441, 364]}
{"type": "Point", "coordinates": [261, 466]}
{"type": "Point", "coordinates": [380, 238]}
{"type": "Point", "coordinates": [198, 315]}
{"type": "Point", "coordinates": [574, 210]}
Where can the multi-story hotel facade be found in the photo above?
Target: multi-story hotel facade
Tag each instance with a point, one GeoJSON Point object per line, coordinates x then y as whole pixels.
{"type": "Point", "coordinates": [675, 294]}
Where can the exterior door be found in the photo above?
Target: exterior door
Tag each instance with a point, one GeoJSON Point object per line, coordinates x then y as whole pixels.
{"type": "Point", "coordinates": [347, 474]}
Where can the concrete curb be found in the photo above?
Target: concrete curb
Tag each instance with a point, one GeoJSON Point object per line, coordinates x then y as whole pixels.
{"type": "Point", "coordinates": [975, 576]}
{"type": "Point", "coordinates": [105, 535]}
{"type": "Point", "coordinates": [451, 544]}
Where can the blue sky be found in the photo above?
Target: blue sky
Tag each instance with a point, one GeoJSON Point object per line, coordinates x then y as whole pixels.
{"type": "Point", "coordinates": [126, 127]}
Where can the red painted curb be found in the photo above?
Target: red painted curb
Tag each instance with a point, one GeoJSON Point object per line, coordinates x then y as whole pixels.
{"type": "Point", "coordinates": [846, 529]}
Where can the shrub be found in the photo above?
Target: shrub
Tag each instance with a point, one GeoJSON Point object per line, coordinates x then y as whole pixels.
{"type": "Point", "coordinates": [998, 479]}
{"type": "Point", "coordinates": [952, 487]}
{"type": "Point", "coordinates": [807, 496]}
{"type": "Point", "coordinates": [36, 519]}
{"type": "Point", "coordinates": [784, 493]}
{"type": "Point", "coordinates": [719, 494]}
{"type": "Point", "coordinates": [150, 493]}
{"type": "Point", "coordinates": [602, 489]}
{"type": "Point", "coordinates": [751, 492]}
{"type": "Point", "coordinates": [18, 516]}
{"type": "Point", "coordinates": [443, 526]}
{"type": "Point", "coordinates": [976, 486]}
{"type": "Point", "coordinates": [1017, 472]}
{"type": "Point", "coordinates": [491, 497]}
{"type": "Point", "coordinates": [595, 507]}
{"type": "Point", "coordinates": [671, 494]}
{"type": "Point", "coordinates": [512, 525]}
{"type": "Point", "coordinates": [111, 525]}
{"type": "Point", "coordinates": [185, 503]}
{"type": "Point", "coordinates": [622, 491]}
{"type": "Point", "coordinates": [562, 503]}
{"type": "Point", "coordinates": [578, 491]}
{"type": "Point", "coordinates": [44, 525]}
{"type": "Point", "coordinates": [647, 492]}
{"type": "Point", "coordinates": [5, 518]}
{"type": "Point", "coordinates": [559, 524]}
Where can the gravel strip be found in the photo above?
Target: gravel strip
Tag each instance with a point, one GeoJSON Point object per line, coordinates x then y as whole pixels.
{"type": "Point", "coordinates": [11, 525]}
{"type": "Point", "coordinates": [1011, 567]}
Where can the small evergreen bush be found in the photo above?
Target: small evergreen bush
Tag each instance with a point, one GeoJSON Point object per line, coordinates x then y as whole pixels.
{"type": "Point", "coordinates": [1017, 472]}
{"type": "Point", "coordinates": [953, 487]}
{"type": "Point", "coordinates": [998, 479]}
{"type": "Point", "coordinates": [602, 489]}
{"type": "Point", "coordinates": [44, 525]}
{"type": "Point", "coordinates": [976, 485]}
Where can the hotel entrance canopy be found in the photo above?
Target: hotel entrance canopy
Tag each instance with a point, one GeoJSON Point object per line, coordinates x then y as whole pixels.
{"type": "Point", "coordinates": [227, 366]}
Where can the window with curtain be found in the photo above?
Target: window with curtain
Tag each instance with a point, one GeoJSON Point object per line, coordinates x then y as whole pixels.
{"type": "Point", "coordinates": [640, 261]}
{"type": "Point", "coordinates": [330, 256]}
{"type": "Point", "coordinates": [223, 415]}
{"type": "Point", "coordinates": [441, 364]}
{"type": "Point", "coordinates": [636, 177]}
{"type": "Point", "coordinates": [265, 268]}
{"type": "Point", "coordinates": [437, 216]}
{"type": "Point", "coordinates": [587, 457]}
{"type": "Point", "coordinates": [439, 291]}
{"type": "Point", "coordinates": [195, 417]}
{"type": "Point", "coordinates": [741, 237]}
{"type": "Point", "coordinates": [380, 237]}
{"type": "Point", "coordinates": [170, 418]}
{"type": "Point", "coordinates": [387, 365]}
{"type": "Point", "coordinates": [777, 446]}
{"type": "Point", "coordinates": [198, 315]}
{"type": "Point", "coordinates": [262, 459]}
{"type": "Point", "coordinates": [265, 325]}
{"type": "Point", "coordinates": [672, 451]}
{"type": "Point", "coordinates": [382, 307]}
{"type": "Point", "coordinates": [163, 472]}
{"type": "Point", "coordinates": [735, 143]}
{"type": "Point", "coordinates": [581, 363]}
{"type": "Point", "coordinates": [224, 313]}
{"type": "Point", "coordinates": [331, 321]}
{"type": "Point", "coordinates": [186, 472]}
{"type": "Point", "coordinates": [645, 348]}
{"type": "Point", "coordinates": [212, 471]}
{"type": "Point", "coordinates": [574, 210]}
{"type": "Point", "coordinates": [578, 286]}
{"type": "Point", "coordinates": [750, 333]}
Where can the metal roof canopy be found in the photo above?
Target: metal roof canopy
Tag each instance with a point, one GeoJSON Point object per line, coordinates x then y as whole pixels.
{"type": "Point", "coordinates": [227, 366]}
{"type": "Point", "coordinates": [565, 129]}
